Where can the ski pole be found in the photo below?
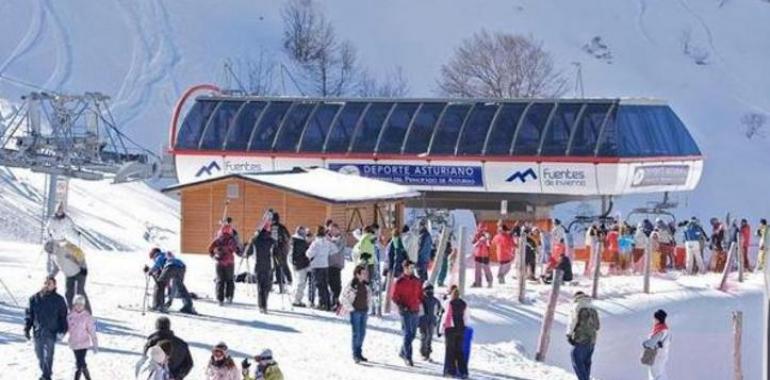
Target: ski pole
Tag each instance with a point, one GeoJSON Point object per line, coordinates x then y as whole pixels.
{"type": "Point", "coordinates": [146, 287]}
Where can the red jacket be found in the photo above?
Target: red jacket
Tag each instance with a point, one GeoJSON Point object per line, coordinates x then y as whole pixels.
{"type": "Point", "coordinates": [223, 249]}
{"type": "Point", "coordinates": [504, 246]}
{"type": "Point", "coordinates": [407, 293]}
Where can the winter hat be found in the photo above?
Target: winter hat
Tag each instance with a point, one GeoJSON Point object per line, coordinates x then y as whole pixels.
{"type": "Point", "coordinates": [221, 346]}
{"type": "Point", "coordinates": [157, 354]}
{"type": "Point", "coordinates": [154, 252]}
{"type": "Point", "coordinates": [300, 231]}
{"type": "Point", "coordinates": [79, 300]}
{"type": "Point", "coordinates": [162, 323]}
{"type": "Point", "coordinates": [276, 217]}
{"type": "Point", "coordinates": [427, 286]}
{"type": "Point", "coordinates": [660, 315]}
{"type": "Point", "coordinates": [266, 354]}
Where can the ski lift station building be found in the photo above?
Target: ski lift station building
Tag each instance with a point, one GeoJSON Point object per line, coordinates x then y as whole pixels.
{"type": "Point", "coordinates": [459, 153]}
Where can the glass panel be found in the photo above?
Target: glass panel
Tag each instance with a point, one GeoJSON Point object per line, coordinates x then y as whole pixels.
{"type": "Point", "coordinates": [557, 133]}
{"type": "Point", "coordinates": [268, 126]}
{"type": "Point", "coordinates": [422, 128]}
{"type": "Point", "coordinates": [501, 137]}
{"type": "Point", "coordinates": [475, 132]}
{"type": "Point", "coordinates": [448, 129]}
{"type": "Point", "coordinates": [288, 136]}
{"type": "Point", "coordinates": [189, 134]}
{"type": "Point", "coordinates": [587, 132]}
{"type": "Point", "coordinates": [218, 125]}
{"type": "Point", "coordinates": [238, 139]}
{"type": "Point", "coordinates": [528, 138]}
{"type": "Point", "coordinates": [608, 147]}
{"type": "Point", "coordinates": [652, 131]}
{"type": "Point", "coordinates": [315, 134]}
{"type": "Point", "coordinates": [366, 137]}
{"type": "Point", "coordinates": [342, 131]}
{"type": "Point", "coordinates": [395, 130]}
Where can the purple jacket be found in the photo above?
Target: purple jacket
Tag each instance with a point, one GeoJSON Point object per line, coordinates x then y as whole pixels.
{"type": "Point", "coordinates": [82, 330]}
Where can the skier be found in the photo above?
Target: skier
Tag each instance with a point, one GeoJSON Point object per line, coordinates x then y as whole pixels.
{"type": "Point", "coordinates": [762, 233]}
{"type": "Point", "coordinates": [481, 256]}
{"type": "Point", "coordinates": [407, 295]}
{"type": "Point", "coordinates": [745, 233]}
{"type": "Point", "coordinates": [641, 239]}
{"type": "Point", "coordinates": [693, 234]}
{"type": "Point", "coordinates": [221, 365]}
{"type": "Point", "coordinates": [582, 328]}
{"type": "Point", "coordinates": [180, 362]}
{"type": "Point", "coordinates": [530, 253]}
{"type": "Point", "coordinates": [453, 325]}
{"type": "Point", "coordinates": [336, 263]}
{"type": "Point", "coordinates": [660, 340]}
{"type": "Point", "coordinates": [444, 269]}
{"type": "Point", "coordinates": [429, 312]}
{"type": "Point", "coordinates": [558, 234]}
{"type": "Point", "coordinates": [82, 335]}
{"type": "Point", "coordinates": [396, 254]}
{"type": "Point", "coordinates": [46, 316]}
{"type": "Point", "coordinates": [318, 253]}
{"type": "Point", "coordinates": [223, 250]}
{"type": "Point", "coordinates": [301, 263]}
{"type": "Point", "coordinates": [267, 368]}
{"type": "Point", "coordinates": [424, 252]}
{"type": "Point", "coordinates": [262, 247]}
{"type": "Point", "coordinates": [718, 255]}
{"type": "Point", "coordinates": [355, 299]}
{"type": "Point", "coordinates": [156, 367]}
{"type": "Point", "coordinates": [504, 247]}
{"type": "Point", "coordinates": [364, 250]}
{"type": "Point", "coordinates": [282, 239]}
{"type": "Point", "coordinates": [625, 248]}
{"type": "Point", "coordinates": [168, 269]}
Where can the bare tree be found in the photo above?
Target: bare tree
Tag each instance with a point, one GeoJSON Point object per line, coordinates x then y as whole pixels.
{"type": "Point", "coordinates": [324, 65]}
{"type": "Point", "coordinates": [754, 125]}
{"type": "Point", "coordinates": [394, 85]}
{"type": "Point", "coordinates": [502, 66]}
{"type": "Point", "coordinates": [255, 76]}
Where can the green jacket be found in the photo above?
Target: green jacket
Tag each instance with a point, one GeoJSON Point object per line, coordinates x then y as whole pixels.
{"type": "Point", "coordinates": [365, 250]}
{"type": "Point", "coordinates": [584, 322]}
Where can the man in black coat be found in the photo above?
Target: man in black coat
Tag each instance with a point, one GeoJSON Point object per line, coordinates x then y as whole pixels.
{"type": "Point", "coordinates": [46, 316]}
{"type": "Point", "coordinates": [261, 246]}
{"type": "Point", "coordinates": [282, 240]}
{"type": "Point", "coordinates": [180, 361]}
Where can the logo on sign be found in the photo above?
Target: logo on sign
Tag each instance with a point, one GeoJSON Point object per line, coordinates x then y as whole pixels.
{"type": "Point", "coordinates": [564, 177]}
{"type": "Point", "coordinates": [522, 176]}
{"type": "Point", "coordinates": [208, 169]}
{"type": "Point", "coordinates": [350, 170]}
{"type": "Point", "coordinates": [660, 175]}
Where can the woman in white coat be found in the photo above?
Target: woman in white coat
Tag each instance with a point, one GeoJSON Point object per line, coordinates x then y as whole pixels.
{"type": "Point", "coordinates": [659, 339]}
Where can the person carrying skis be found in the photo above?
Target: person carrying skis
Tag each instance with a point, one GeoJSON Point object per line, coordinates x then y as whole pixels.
{"type": "Point", "coordinates": [505, 248]}
{"type": "Point", "coordinates": [693, 234]}
{"type": "Point", "coordinates": [261, 245]}
{"type": "Point", "coordinates": [453, 325]}
{"type": "Point", "coordinates": [430, 309]}
{"type": "Point", "coordinates": [581, 334]}
{"type": "Point", "coordinates": [282, 239]}
{"type": "Point", "coordinates": [481, 256]}
{"type": "Point", "coordinates": [66, 256]}
{"type": "Point", "coordinates": [180, 362]}
{"type": "Point", "coordinates": [156, 367]}
{"type": "Point", "coordinates": [299, 245]}
{"type": "Point", "coordinates": [355, 299]}
{"type": "Point", "coordinates": [762, 233]}
{"type": "Point", "coordinates": [168, 269]}
{"type": "Point", "coordinates": [659, 340]}
{"type": "Point", "coordinates": [407, 295]}
{"type": "Point", "coordinates": [82, 335]}
{"type": "Point", "coordinates": [223, 250]}
{"type": "Point", "coordinates": [267, 367]}
{"type": "Point", "coordinates": [336, 263]}
{"type": "Point", "coordinates": [46, 317]}
{"type": "Point", "coordinates": [221, 365]}
{"type": "Point", "coordinates": [318, 253]}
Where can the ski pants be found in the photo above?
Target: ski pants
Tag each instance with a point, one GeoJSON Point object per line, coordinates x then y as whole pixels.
{"type": "Point", "coordinates": [693, 257]}
{"type": "Point", "coordinates": [321, 278]}
{"type": "Point", "coordinates": [358, 323]}
{"type": "Point", "coordinates": [282, 272]}
{"type": "Point", "coordinates": [169, 275]}
{"type": "Point", "coordinates": [225, 282]}
{"type": "Point", "coordinates": [530, 260]}
{"type": "Point", "coordinates": [302, 281]}
{"type": "Point", "coordinates": [426, 339]}
{"type": "Point", "coordinates": [335, 284]}
{"type": "Point", "coordinates": [45, 342]}
{"type": "Point", "coordinates": [409, 320]}
{"type": "Point", "coordinates": [76, 285]}
{"type": "Point", "coordinates": [581, 360]}
{"type": "Point", "coordinates": [482, 264]}
{"type": "Point", "coordinates": [80, 359]}
{"type": "Point", "coordinates": [264, 285]}
{"type": "Point", "coordinates": [454, 359]}
{"type": "Point", "coordinates": [502, 271]}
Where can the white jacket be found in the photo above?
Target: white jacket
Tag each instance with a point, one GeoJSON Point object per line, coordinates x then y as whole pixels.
{"type": "Point", "coordinates": [151, 370]}
{"type": "Point", "coordinates": [657, 370]}
{"type": "Point", "coordinates": [66, 262]}
{"type": "Point", "coordinates": [319, 252]}
{"type": "Point", "coordinates": [61, 229]}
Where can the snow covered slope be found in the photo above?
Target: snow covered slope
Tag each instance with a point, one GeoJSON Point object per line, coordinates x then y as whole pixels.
{"type": "Point", "coordinates": [708, 58]}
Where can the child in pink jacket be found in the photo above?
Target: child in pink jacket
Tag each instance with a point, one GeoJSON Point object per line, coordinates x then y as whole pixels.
{"type": "Point", "coordinates": [82, 335]}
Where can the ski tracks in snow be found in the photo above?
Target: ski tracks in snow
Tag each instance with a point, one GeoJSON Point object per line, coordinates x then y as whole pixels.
{"type": "Point", "coordinates": [640, 22]}
{"type": "Point", "coordinates": [63, 67]}
{"type": "Point", "coordinates": [30, 39]}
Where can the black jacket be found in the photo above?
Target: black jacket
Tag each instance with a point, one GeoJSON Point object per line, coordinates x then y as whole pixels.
{"type": "Point", "coordinates": [298, 250]}
{"type": "Point", "coordinates": [47, 314]}
{"type": "Point", "coordinates": [261, 246]}
{"type": "Point", "coordinates": [566, 266]}
{"type": "Point", "coordinates": [180, 361]}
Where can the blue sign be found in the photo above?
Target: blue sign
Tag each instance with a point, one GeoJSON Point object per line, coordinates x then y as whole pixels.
{"type": "Point", "coordinates": [417, 175]}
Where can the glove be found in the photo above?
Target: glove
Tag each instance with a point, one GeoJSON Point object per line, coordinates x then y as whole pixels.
{"type": "Point", "coordinates": [146, 269]}
{"type": "Point", "coordinates": [26, 334]}
{"type": "Point", "coordinates": [84, 271]}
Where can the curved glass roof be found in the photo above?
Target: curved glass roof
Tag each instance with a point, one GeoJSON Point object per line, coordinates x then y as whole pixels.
{"type": "Point", "coordinates": [441, 127]}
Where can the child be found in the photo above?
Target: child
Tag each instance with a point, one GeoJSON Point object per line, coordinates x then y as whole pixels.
{"type": "Point", "coordinates": [429, 312]}
{"type": "Point", "coordinates": [267, 368]}
{"type": "Point", "coordinates": [82, 330]}
{"type": "Point", "coordinates": [156, 368]}
{"type": "Point", "coordinates": [221, 365]}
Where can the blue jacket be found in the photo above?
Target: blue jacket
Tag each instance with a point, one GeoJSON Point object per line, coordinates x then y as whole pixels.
{"type": "Point", "coordinates": [426, 244]}
{"type": "Point", "coordinates": [164, 259]}
{"type": "Point", "coordinates": [693, 232]}
{"type": "Point", "coordinates": [47, 314]}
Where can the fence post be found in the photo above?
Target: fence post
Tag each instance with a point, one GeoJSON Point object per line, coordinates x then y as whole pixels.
{"type": "Point", "coordinates": [737, 331]}
{"type": "Point", "coordinates": [461, 258]}
{"type": "Point", "coordinates": [740, 258]}
{"type": "Point", "coordinates": [522, 266]}
{"type": "Point", "coordinates": [545, 329]}
{"type": "Point", "coordinates": [597, 269]}
{"type": "Point", "coordinates": [647, 264]}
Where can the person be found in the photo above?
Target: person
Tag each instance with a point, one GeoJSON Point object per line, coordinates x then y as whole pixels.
{"type": "Point", "coordinates": [46, 317]}
{"type": "Point", "coordinates": [693, 234]}
{"type": "Point", "coordinates": [625, 248]}
{"type": "Point", "coordinates": [481, 257]}
{"type": "Point", "coordinates": [66, 256]}
{"type": "Point", "coordinates": [282, 238]}
{"type": "Point", "coordinates": [444, 268]}
{"type": "Point", "coordinates": [82, 335]}
{"type": "Point", "coordinates": [424, 252]}
{"type": "Point", "coordinates": [504, 247]}
{"type": "Point", "coordinates": [530, 252]}
{"type": "Point", "coordinates": [156, 368]}
{"type": "Point", "coordinates": [762, 234]}
{"type": "Point", "coordinates": [659, 340]}
{"type": "Point", "coordinates": [318, 253]}
{"type": "Point", "coordinates": [336, 263]}
{"type": "Point", "coordinates": [565, 265]}
{"type": "Point", "coordinates": [582, 330]}
{"type": "Point", "coordinates": [356, 298]}
{"type": "Point", "coordinates": [718, 255]}
{"type": "Point", "coordinates": [591, 240]}
{"type": "Point", "coordinates": [407, 295]}
{"type": "Point", "coordinates": [429, 312]}
{"type": "Point", "coordinates": [641, 241]}
{"type": "Point", "coordinates": [221, 365]}
{"type": "Point", "coordinates": [745, 234]}
{"type": "Point", "coordinates": [364, 250]}
{"type": "Point", "coordinates": [558, 234]}
{"type": "Point", "coordinates": [666, 243]}
{"type": "Point", "coordinates": [453, 326]}
{"type": "Point", "coordinates": [245, 366]}
{"type": "Point", "coordinates": [223, 250]}
{"type": "Point", "coordinates": [267, 367]}
{"type": "Point", "coordinates": [612, 246]}
{"type": "Point", "coordinates": [396, 254]}
{"type": "Point", "coordinates": [168, 269]}
{"type": "Point", "coordinates": [299, 244]}
{"type": "Point", "coordinates": [180, 362]}
{"type": "Point", "coordinates": [261, 245]}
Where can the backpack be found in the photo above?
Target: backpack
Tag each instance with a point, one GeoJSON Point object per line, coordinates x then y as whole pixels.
{"type": "Point", "coordinates": [648, 355]}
